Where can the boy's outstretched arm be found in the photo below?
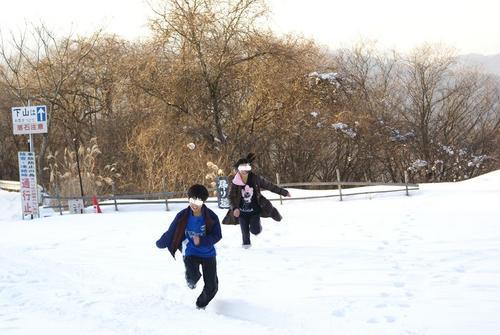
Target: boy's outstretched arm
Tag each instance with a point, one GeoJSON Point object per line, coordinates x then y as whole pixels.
{"type": "Point", "coordinates": [167, 236]}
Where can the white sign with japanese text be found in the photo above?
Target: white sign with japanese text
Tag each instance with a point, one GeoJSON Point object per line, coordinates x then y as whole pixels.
{"type": "Point", "coordinates": [29, 120]}
{"type": "Point", "coordinates": [75, 206]}
{"type": "Point", "coordinates": [223, 192]}
{"type": "Point", "coordinates": [27, 177]}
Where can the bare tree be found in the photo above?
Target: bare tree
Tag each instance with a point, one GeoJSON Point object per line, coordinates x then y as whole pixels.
{"type": "Point", "coordinates": [213, 37]}
{"type": "Point", "coordinates": [42, 68]}
{"type": "Point", "coordinates": [447, 107]}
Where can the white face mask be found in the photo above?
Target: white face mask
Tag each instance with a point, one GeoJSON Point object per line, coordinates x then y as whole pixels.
{"type": "Point", "coordinates": [196, 202]}
{"type": "Point", "coordinates": [244, 167]}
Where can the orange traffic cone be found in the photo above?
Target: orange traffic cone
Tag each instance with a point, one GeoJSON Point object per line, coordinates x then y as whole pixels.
{"type": "Point", "coordinates": [96, 204]}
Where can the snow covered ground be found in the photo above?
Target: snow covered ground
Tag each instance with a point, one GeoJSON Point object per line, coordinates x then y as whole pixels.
{"type": "Point", "coordinates": [372, 264]}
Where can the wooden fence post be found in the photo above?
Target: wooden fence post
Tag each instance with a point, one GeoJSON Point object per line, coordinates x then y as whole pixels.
{"type": "Point", "coordinates": [114, 197]}
{"type": "Point", "coordinates": [58, 201]}
{"type": "Point", "coordinates": [406, 182]}
{"type": "Point", "coordinates": [278, 182]}
{"type": "Point", "coordinates": [165, 192]}
{"type": "Point", "coordinates": [339, 185]}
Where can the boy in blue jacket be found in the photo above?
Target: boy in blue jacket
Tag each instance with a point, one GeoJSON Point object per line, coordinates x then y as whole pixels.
{"type": "Point", "coordinates": [194, 232]}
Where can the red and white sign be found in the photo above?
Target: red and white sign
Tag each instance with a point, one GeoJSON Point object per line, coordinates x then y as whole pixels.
{"type": "Point", "coordinates": [27, 177]}
{"type": "Point", "coordinates": [29, 120]}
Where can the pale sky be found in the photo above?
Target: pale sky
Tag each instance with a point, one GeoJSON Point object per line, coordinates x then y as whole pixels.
{"type": "Point", "coordinates": [468, 25]}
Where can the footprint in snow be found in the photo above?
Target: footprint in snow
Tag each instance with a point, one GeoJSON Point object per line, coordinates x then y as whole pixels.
{"type": "Point", "coordinates": [340, 313]}
{"type": "Point", "coordinates": [389, 319]}
{"type": "Point", "coordinates": [255, 313]}
{"type": "Point", "coordinates": [11, 319]}
{"type": "Point", "coordinates": [89, 303]}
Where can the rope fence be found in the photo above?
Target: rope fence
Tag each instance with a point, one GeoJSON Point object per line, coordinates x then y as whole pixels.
{"type": "Point", "coordinates": [172, 197]}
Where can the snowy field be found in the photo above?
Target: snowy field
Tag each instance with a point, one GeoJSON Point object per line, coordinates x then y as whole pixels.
{"type": "Point", "coordinates": [372, 264]}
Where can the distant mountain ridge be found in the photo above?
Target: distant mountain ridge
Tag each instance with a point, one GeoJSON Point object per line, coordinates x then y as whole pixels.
{"type": "Point", "coordinates": [488, 64]}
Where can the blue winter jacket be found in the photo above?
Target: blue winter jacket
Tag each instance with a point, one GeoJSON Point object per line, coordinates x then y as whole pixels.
{"type": "Point", "coordinates": [173, 237]}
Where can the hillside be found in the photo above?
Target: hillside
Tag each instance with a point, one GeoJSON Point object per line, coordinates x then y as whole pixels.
{"type": "Point", "coordinates": [488, 64]}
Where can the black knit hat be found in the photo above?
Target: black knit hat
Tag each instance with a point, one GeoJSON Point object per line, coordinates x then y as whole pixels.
{"type": "Point", "coordinates": [245, 160]}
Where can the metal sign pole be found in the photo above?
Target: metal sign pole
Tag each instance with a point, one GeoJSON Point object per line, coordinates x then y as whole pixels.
{"type": "Point", "coordinates": [32, 147]}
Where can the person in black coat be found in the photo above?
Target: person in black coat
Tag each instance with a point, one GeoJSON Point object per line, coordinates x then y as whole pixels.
{"type": "Point", "coordinates": [194, 231]}
{"type": "Point", "coordinates": [248, 205]}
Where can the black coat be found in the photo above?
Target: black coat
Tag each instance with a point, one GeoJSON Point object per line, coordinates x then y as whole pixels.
{"type": "Point", "coordinates": [257, 183]}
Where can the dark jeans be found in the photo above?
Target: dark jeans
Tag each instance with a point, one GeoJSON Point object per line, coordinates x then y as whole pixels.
{"type": "Point", "coordinates": [249, 224]}
{"type": "Point", "coordinates": [209, 269]}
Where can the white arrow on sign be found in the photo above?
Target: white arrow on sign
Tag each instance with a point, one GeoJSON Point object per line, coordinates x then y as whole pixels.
{"type": "Point", "coordinates": [41, 114]}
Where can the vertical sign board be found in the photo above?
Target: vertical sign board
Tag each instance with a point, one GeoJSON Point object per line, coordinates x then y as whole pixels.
{"type": "Point", "coordinates": [75, 206]}
{"type": "Point", "coordinates": [29, 120]}
{"type": "Point", "coordinates": [27, 177]}
{"type": "Point", "coordinates": [223, 192]}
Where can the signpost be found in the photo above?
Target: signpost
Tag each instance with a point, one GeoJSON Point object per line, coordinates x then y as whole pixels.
{"type": "Point", "coordinates": [27, 177]}
{"type": "Point", "coordinates": [29, 120]}
{"type": "Point", "coordinates": [223, 192]}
